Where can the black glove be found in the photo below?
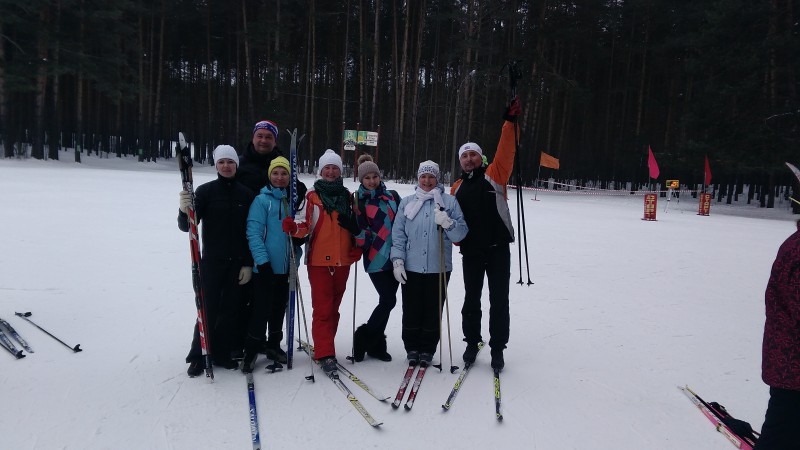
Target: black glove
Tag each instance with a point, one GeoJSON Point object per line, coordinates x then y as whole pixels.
{"type": "Point", "coordinates": [265, 269]}
{"type": "Point", "coordinates": [513, 110]}
{"type": "Point", "coordinates": [301, 195]}
{"type": "Point", "coordinates": [349, 223]}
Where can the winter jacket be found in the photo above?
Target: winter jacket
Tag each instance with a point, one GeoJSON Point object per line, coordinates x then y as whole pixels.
{"type": "Point", "coordinates": [482, 195]}
{"type": "Point", "coordinates": [252, 171]}
{"type": "Point", "coordinates": [780, 365]}
{"type": "Point", "coordinates": [264, 233]}
{"type": "Point", "coordinates": [222, 205]}
{"type": "Point", "coordinates": [375, 213]}
{"type": "Point", "coordinates": [328, 243]}
{"type": "Point", "coordinates": [416, 241]}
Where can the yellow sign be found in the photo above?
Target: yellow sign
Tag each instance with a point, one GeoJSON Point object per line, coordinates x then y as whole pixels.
{"type": "Point", "coordinates": [673, 184]}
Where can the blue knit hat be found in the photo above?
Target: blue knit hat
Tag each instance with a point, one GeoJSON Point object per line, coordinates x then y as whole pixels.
{"type": "Point", "coordinates": [267, 125]}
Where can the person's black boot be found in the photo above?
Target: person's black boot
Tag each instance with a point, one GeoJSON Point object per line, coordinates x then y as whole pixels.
{"type": "Point", "coordinates": [195, 369]}
{"type": "Point", "coordinates": [249, 359]}
{"type": "Point", "coordinates": [361, 342]}
{"type": "Point", "coordinates": [273, 349]}
{"type": "Point", "coordinates": [378, 349]}
{"type": "Point", "coordinates": [497, 359]}
{"type": "Point", "coordinates": [471, 353]}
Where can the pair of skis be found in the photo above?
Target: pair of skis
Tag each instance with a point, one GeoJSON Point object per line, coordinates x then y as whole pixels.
{"type": "Point", "coordinates": [460, 381]}
{"type": "Point", "coordinates": [412, 366]}
{"type": "Point", "coordinates": [334, 377]}
{"type": "Point", "coordinates": [6, 342]}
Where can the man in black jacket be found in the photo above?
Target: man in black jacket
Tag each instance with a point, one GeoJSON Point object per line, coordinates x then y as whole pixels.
{"type": "Point", "coordinates": [256, 158]}
{"type": "Point", "coordinates": [226, 264]}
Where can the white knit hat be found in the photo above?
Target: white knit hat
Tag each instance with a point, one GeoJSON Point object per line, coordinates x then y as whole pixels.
{"type": "Point", "coordinates": [330, 157]}
{"type": "Point", "coordinates": [428, 167]}
{"type": "Point", "coordinates": [470, 146]}
{"type": "Point", "coordinates": [225, 151]}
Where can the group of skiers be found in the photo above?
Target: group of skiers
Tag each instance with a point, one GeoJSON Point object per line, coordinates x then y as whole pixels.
{"type": "Point", "coordinates": [250, 239]}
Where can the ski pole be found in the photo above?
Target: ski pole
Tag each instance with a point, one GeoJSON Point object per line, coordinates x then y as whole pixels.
{"type": "Point", "coordinates": [355, 297]}
{"type": "Point", "coordinates": [25, 316]}
{"type": "Point", "coordinates": [305, 325]}
{"type": "Point", "coordinates": [446, 301]}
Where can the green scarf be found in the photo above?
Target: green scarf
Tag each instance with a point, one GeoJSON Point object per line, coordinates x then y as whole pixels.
{"type": "Point", "coordinates": [334, 196]}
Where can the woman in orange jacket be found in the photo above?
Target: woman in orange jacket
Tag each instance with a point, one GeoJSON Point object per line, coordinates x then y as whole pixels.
{"type": "Point", "coordinates": [328, 220]}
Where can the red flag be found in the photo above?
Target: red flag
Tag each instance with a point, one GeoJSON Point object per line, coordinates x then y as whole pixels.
{"type": "Point", "coordinates": [707, 172]}
{"type": "Point", "coordinates": [652, 165]}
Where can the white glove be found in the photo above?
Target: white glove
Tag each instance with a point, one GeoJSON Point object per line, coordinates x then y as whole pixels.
{"type": "Point", "coordinates": [245, 273]}
{"type": "Point", "coordinates": [442, 219]}
{"type": "Point", "coordinates": [399, 271]}
{"type": "Point", "coordinates": [186, 201]}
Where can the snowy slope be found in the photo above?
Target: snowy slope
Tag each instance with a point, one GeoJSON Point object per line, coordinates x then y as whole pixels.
{"type": "Point", "coordinates": [621, 312]}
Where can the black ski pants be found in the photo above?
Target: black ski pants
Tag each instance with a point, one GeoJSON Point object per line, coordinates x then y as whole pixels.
{"type": "Point", "coordinates": [270, 297]}
{"type": "Point", "coordinates": [495, 264]}
{"type": "Point", "coordinates": [386, 285]}
{"type": "Point", "coordinates": [421, 311]}
{"type": "Point", "coordinates": [222, 298]}
{"type": "Point", "coordinates": [779, 431]}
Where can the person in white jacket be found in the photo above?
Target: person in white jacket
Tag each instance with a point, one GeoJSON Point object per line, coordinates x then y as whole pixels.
{"type": "Point", "coordinates": [417, 251]}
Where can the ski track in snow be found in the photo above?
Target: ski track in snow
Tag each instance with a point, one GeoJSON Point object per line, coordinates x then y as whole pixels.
{"type": "Point", "coordinates": [622, 311]}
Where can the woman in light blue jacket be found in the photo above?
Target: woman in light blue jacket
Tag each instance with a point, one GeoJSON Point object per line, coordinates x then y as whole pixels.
{"type": "Point", "coordinates": [416, 255]}
{"type": "Point", "coordinates": [269, 247]}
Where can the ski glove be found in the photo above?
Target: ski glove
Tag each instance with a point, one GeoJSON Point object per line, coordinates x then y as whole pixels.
{"type": "Point", "coordinates": [185, 201]}
{"type": "Point", "coordinates": [349, 223]}
{"type": "Point", "coordinates": [442, 219]}
{"type": "Point", "coordinates": [399, 271]}
{"type": "Point", "coordinates": [513, 110]}
{"type": "Point", "coordinates": [265, 269]}
{"type": "Point", "coordinates": [289, 225]}
{"type": "Point", "coordinates": [245, 273]}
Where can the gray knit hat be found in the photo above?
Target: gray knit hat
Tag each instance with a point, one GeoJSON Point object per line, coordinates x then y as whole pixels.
{"type": "Point", "coordinates": [366, 166]}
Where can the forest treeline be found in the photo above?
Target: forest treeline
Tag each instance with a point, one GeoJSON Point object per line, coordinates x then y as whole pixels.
{"type": "Point", "coordinates": [600, 80]}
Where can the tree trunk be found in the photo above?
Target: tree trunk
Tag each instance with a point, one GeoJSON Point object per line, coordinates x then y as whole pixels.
{"type": "Point", "coordinates": [375, 64]}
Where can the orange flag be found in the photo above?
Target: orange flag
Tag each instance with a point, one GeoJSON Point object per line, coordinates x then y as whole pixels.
{"type": "Point", "coordinates": [548, 161]}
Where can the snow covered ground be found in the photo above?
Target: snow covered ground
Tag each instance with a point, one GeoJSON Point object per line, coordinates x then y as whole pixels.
{"type": "Point", "coordinates": [621, 312]}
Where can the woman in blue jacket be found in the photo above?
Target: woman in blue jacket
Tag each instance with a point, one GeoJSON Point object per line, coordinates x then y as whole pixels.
{"type": "Point", "coordinates": [416, 253]}
{"type": "Point", "coordinates": [270, 250]}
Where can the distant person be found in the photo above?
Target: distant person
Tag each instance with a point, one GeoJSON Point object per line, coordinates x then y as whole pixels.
{"type": "Point", "coordinates": [328, 220]}
{"type": "Point", "coordinates": [270, 250]}
{"type": "Point", "coordinates": [481, 192]}
{"type": "Point", "coordinates": [376, 209]}
{"type": "Point", "coordinates": [221, 208]}
{"type": "Point", "coordinates": [416, 257]}
{"type": "Point", "coordinates": [780, 364]}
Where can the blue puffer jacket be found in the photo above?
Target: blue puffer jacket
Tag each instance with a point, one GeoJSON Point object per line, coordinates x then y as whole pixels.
{"type": "Point", "coordinates": [264, 234]}
{"type": "Point", "coordinates": [416, 241]}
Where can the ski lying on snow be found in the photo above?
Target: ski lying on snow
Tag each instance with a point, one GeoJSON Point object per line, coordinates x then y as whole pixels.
{"type": "Point", "coordinates": [15, 335]}
{"type": "Point", "coordinates": [460, 380]}
{"type": "Point", "coordinates": [251, 394]}
{"type": "Point", "coordinates": [6, 343]}
{"type": "Point", "coordinates": [713, 417]}
{"type": "Point", "coordinates": [334, 377]}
